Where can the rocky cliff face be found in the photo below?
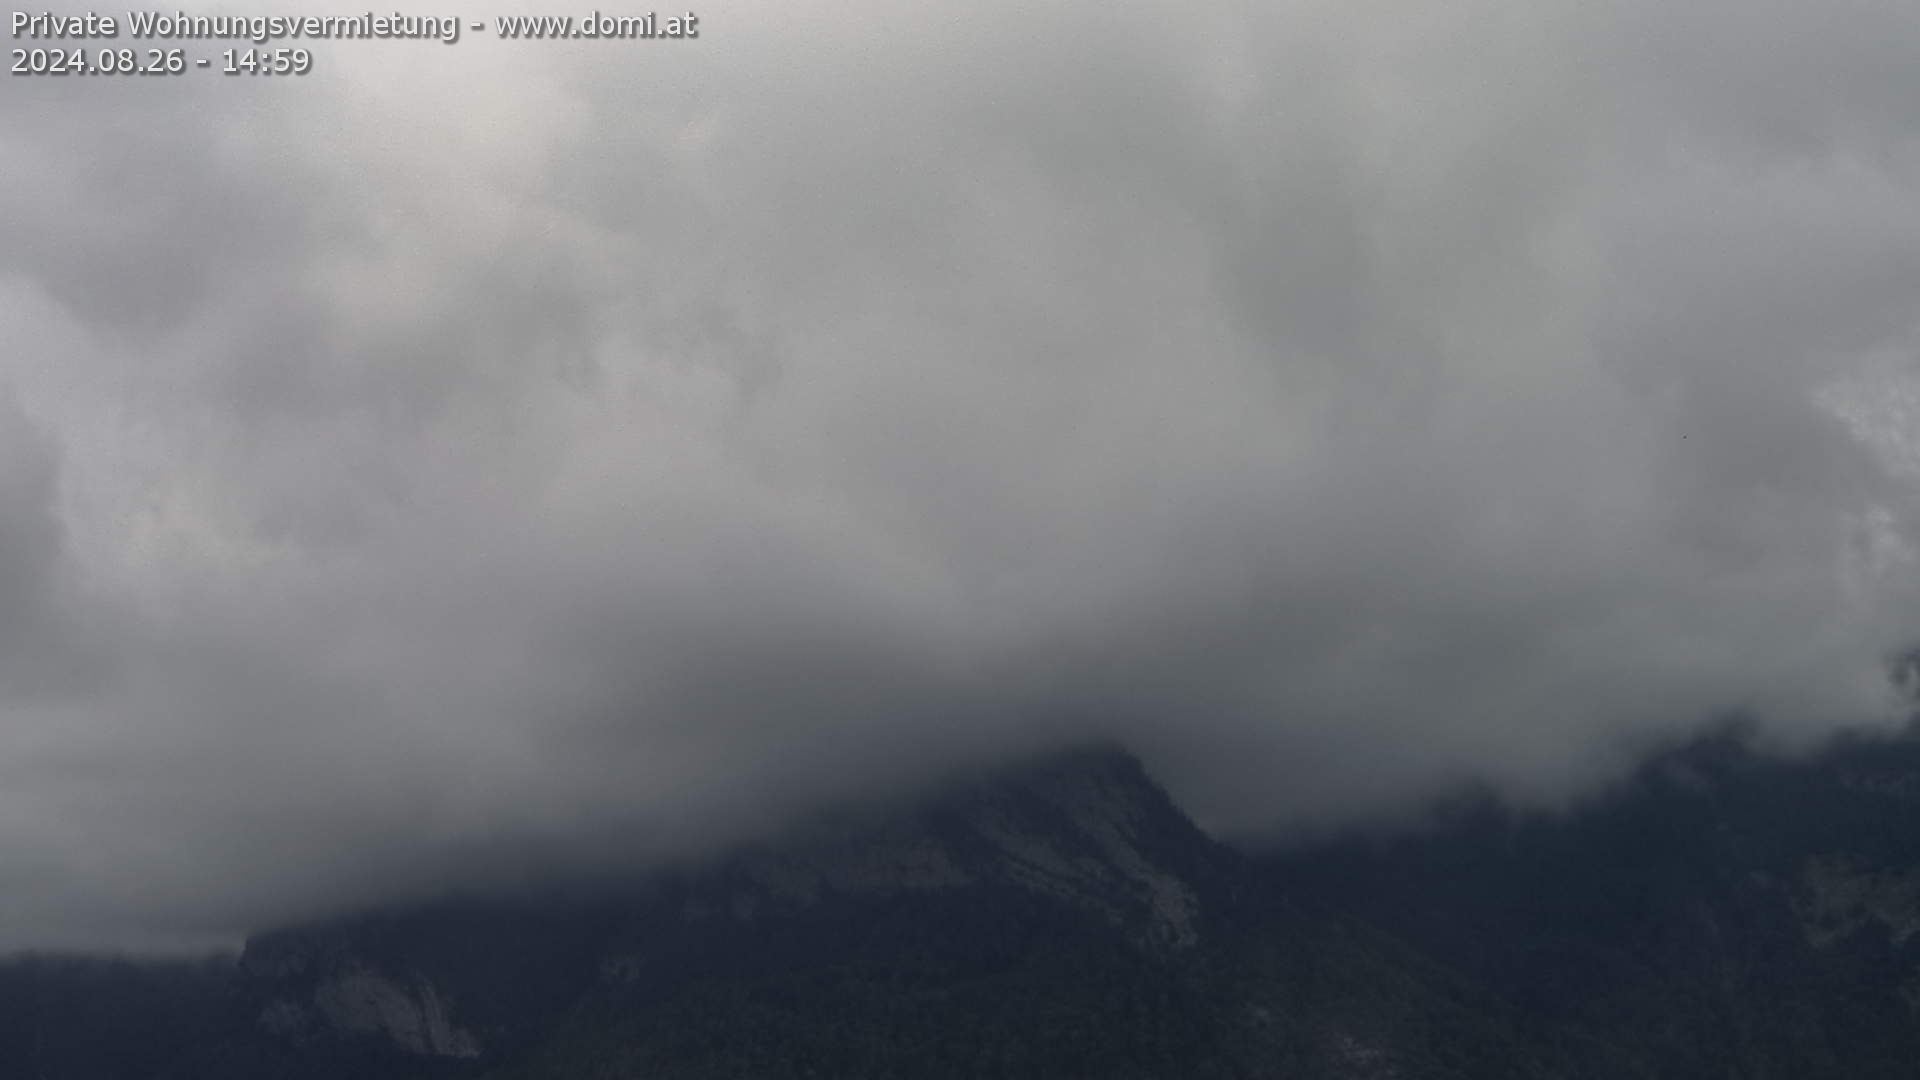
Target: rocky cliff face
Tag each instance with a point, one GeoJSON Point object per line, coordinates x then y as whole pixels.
{"type": "Point", "coordinates": [413, 1015]}
{"type": "Point", "coordinates": [1088, 829]}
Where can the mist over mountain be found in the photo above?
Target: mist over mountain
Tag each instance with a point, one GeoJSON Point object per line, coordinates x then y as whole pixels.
{"type": "Point", "coordinates": [473, 465]}
{"type": "Point", "coordinates": [1718, 913]}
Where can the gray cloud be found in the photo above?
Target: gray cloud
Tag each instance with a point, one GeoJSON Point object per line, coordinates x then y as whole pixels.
{"type": "Point", "coordinates": [466, 462]}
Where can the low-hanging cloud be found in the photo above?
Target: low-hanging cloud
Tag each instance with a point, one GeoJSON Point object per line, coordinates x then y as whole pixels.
{"type": "Point", "coordinates": [467, 462]}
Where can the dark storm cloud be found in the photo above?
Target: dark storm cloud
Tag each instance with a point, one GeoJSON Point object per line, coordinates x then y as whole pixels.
{"type": "Point", "coordinates": [438, 472]}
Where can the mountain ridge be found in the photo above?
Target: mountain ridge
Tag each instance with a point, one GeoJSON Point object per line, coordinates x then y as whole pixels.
{"type": "Point", "coordinates": [1721, 913]}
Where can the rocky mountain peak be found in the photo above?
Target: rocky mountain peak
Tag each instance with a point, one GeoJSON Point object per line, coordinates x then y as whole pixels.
{"type": "Point", "coordinates": [1085, 831]}
{"type": "Point", "coordinates": [1088, 827]}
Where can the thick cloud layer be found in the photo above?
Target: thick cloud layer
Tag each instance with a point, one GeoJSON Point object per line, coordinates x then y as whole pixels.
{"type": "Point", "coordinates": [469, 461]}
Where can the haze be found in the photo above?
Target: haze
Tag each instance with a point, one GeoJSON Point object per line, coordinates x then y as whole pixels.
{"type": "Point", "coordinates": [465, 464]}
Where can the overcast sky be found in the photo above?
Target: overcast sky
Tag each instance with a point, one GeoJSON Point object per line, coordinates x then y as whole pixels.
{"type": "Point", "coordinates": [472, 460]}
